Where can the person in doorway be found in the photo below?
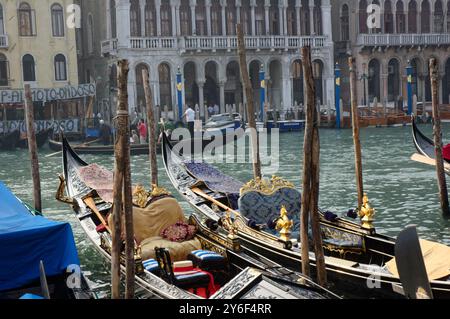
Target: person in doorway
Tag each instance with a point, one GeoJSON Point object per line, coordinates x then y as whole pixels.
{"type": "Point", "coordinates": [216, 109]}
{"type": "Point", "coordinates": [190, 119]}
{"type": "Point", "coordinates": [210, 110]}
{"type": "Point", "coordinates": [105, 133]}
{"type": "Point", "coordinates": [142, 128]}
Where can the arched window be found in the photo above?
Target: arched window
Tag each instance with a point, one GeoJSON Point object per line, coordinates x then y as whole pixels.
{"type": "Point", "coordinates": [388, 17]}
{"type": "Point", "coordinates": [401, 19]}
{"type": "Point", "coordinates": [374, 80]}
{"type": "Point", "coordinates": [27, 20]}
{"type": "Point", "coordinates": [150, 18]}
{"type": "Point", "coordinates": [259, 18]}
{"type": "Point", "coordinates": [291, 18]}
{"type": "Point", "coordinates": [297, 82]}
{"type": "Point", "coordinates": [60, 68]}
{"type": "Point", "coordinates": [200, 20]}
{"type": "Point", "coordinates": [113, 76]}
{"type": "Point", "coordinates": [231, 18]}
{"type": "Point", "coordinates": [135, 19]}
{"type": "Point", "coordinates": [112, 11]}
{"type": "Point", "coordinates": [90, 34]}
{"type": "Point", "coordinates": [304, 13]}
{"type": "Point", "coordinates": [140, 86]}
{"type": "Point", "coordinates": [216, 18]}
{"type": "Point", "coordinates": [57, 20]}
{"type": "Point", "coordinates": [318, 17]}
{"type": "Point", "coordinates": [4, 70]}
{"type": "Point", "coordinates": [438, 17]}
{"type": "Point", "coordinates": [185, 18]}
{"type": "Point", "coordinates": [345, 28]}
{"type": "Point", "coordinates": [166, 19]}
{"type": "Point", "coordinates": [274, 25]}
{"type": "Point", "coordinates": [362, 16]}
{"type": "Point", "coordinates": [28, 68]}
{"type": "Point", "coordinates": [412, 17]}
{"type": "Point", "coordinates": [246, 17]}
{"type": "Point", "coordinates": [2, 21]}
{"type": "Point", "coordinates": [165, 89]}
{"type": "Point", "coordinates": [425, 17]}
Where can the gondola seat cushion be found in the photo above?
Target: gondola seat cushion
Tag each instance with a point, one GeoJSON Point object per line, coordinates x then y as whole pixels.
{"type": "Point", "coordinates": [151, 265]}
{"type": "Point", "coordinates": [187, 276]}
{"type": "Point", "coordinates": [178, 250]}
{"type": "Point", "coordinates": [208, 260]}
{"type": "Point", "coordinates": [264, 208]}
{"type": "Point", "coordinates": [148, 222]}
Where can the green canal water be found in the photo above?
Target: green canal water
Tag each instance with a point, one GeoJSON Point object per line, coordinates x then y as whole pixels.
{"type": "Point", "coordinates": [402, 191]}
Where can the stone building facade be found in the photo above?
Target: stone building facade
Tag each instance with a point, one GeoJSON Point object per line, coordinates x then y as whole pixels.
{"type": "Point", "coordinates": [197, 38]}
{"type": "Point", "coordinates": [410, 32]}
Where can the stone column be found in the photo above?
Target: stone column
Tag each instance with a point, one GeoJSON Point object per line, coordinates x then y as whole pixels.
{"type": "Point", "coordinates": [142, 6]}
{"type": "Point", "coordinates": [297, 13]}
{"type": "Point", "coordinates": [123, 15]}
{"type": "Point", "coordinates": [223, 4]}
{"type": "Point", "coordinates": [327, 28]}
{"type": "Point", "coordinates": [208, 17]}
{"type": "Point", "coordinates": [311, 17]}
{"type": "Point", "coordinates": [441, 91]}
{"type": "Point", "coordinates": [108, 20]}
{"type": "Point", "coordinates": [418, 20]}
{"type": "Point", "coordinates": [287, 84]}
{"type": "Point", "coordinates": [174, 17]}
{"type": "Point", "coordinates": [384, 89]}
{"type": "Point", "coordinates": [132, 94]}
{"type": "Point", "coordinates": [201, 97]}
{"type": "Point", "coordinates": [406, 19]}
{"type": "Point", "coordinates": [252, 11]}
{"type": "Point", "coordinates": [432, 24]}
{"type": "Point", "coordinates": [267, 17]}
{"type": "Point", "coordinates": [394, 16]}
{"type": "Point", "coordinates": [222, 96]}
{"type": "Point", "coordinates": [281, 19]}
{"type": "Point", "coordinates": [194, 29]}
{"type": "Point", "coordinates": [285, 22]}
{"type": "Point", "coordinates": [445, 20]}
{"type": "Point", "coordinates": [158, 17]}
{"type": "Point", "coordinates": [238, 12]}
{"type": "Point", "coordinates": [177, 15]}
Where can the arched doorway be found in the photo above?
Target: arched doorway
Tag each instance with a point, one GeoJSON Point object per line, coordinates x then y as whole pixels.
{"type": "Point", "coordinates": [140, 94]}
{"type": "Point", "coordinates": [211, 89]}
{"type": "Point", "coordinates": [446, 83]}
{"type": "Point", "coordinates": [318, 80]}
{"type": "Point", "coordinates": [190, 85]}
{"type": "Point", "coordinates": [165, 86]}
{"type": "Point", "coordinates": [297, 82]}
{"type": "Point", "coordinates": [233, 86]}
{"type": "Point", "coordinates": [393, 80]}
{"type": "Point", "coordinates": [374, 80]}
{"type": "Point", "coordinates": [275, 93]}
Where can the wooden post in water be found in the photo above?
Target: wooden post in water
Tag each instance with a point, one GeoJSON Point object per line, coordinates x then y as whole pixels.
{"type": "Point", "coordinates": [32, 148]}
{"type": "Point", "coordinates": [355, 128]}
{"type": "Point", "coordinates": [250, 105]}
{"type": "Point", "coordinates": [311, 175]}
{"type": "Point", "coordinates": [122, 189]}
{"type": "Point", "coordinates": [443, 194]}
{"type": "Point", "coordinates": [151, 127]}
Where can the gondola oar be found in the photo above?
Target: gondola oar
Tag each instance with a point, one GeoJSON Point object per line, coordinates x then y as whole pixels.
{"type": "Point", "coordinates": [411, 266]}
{"type": "Point", "coordinates": [430, 161]}
{"type": "Point", "coordinates": [84, 144]}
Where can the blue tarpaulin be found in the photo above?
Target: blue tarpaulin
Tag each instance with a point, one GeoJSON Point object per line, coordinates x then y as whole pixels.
{"type": "Point", "coordinates": [26, 239]}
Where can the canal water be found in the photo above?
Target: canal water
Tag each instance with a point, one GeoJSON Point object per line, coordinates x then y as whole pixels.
{"type": "Point", "coordinates": [401, 191]}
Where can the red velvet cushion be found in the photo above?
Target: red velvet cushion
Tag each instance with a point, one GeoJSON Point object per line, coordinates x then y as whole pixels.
{"type": "Point", "coordinates": [179, 232]}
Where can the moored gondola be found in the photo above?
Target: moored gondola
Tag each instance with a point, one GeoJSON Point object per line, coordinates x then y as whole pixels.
{"type": "Point", "coordinates": [41, 138]}
{"type": "Point", "coordinates": [29, 240]}
{"type": "Point", "coordinates": [358, 261]}
{"type": "Point", "coordinates": [423, 144]}
{"type": "Point", "coordinates": [207, 264]}
{"type": "Point", "coordinates": [9, 141]}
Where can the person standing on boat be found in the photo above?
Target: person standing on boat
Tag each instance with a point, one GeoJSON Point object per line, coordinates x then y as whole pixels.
{"type": "Point", "coordinates": [105, 132]}
{"type": "Point", "coordinates": [190, 119]}
{"type": "Point", "coordinates": [142, 128]}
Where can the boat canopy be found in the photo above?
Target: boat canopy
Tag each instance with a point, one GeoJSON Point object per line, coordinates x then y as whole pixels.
{"type": "Point", "coordinates": [26, 239]}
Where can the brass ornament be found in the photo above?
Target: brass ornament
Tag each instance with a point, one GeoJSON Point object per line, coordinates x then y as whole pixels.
{"type": "Point", "coordinates": [158, 191]}
{"type": "Point", "coordinates": [265, 186]}
{"type": "Point", "coordinates": [140, 196]}
{"type": "Point", "coordinates": [284, 225]}
{"type": "Point", "coordinates": [366, 213]}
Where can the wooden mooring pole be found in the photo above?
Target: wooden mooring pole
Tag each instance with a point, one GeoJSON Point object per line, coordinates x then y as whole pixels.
{"type": "Point", "coordinates": [311, 175]}
{"type": "Point", "coordinates": [250, 105]}
{"type": "Point", "coordinates": [122, 191]}
{"type": "Point", "coordinates": [151, 127]}
{"type": "Point", "coordinates": [32, 148]}
{"type": "Point", "coordinates": [355, 128]}
{"type": "Point", "coordinates": [443, 193]}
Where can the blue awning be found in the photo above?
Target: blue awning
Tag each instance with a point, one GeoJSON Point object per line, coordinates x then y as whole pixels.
{"type": "Point", "coordinates": [26, 239]}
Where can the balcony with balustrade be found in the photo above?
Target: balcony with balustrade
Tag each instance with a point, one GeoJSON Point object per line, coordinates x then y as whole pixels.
{"type": "Point", "coordinates": [403, 40]}
{"type": "Point", "coordinates": [215, 43]}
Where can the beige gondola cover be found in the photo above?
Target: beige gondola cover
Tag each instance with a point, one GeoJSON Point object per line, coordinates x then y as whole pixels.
{"type": "Point", "coordinates": [436, 257]}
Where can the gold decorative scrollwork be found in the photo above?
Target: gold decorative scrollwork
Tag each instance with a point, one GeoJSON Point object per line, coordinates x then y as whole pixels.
{"type": "Point", "coordinates": [265, 186]}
